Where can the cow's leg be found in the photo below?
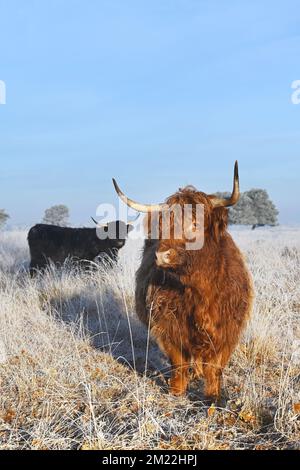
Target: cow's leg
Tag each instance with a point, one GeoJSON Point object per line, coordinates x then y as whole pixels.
{"type": "Point", "coordinates": [212, 375]}
{"type": "Point", "coordinates": [36, 266]}
{"type": "Point", "coordinates": [180, 375]}
{"type": "Point", "coordinates": [213, 368]}
{"type": "Point", "coordinates": [180, 369]}
{"type": "Point", "coordinates": [33, 269]}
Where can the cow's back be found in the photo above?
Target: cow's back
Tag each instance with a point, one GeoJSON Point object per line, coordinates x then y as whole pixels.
{"type": "Point", "coordinates": [52, 242]}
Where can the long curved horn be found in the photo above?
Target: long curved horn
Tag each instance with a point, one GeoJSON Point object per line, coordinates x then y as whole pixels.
{"type": "Point", "coordinates": [97, 223]}
{"type": "Point", "coordinates": [136, 205]}
{"type": "Point", "coordinates": [235, 196]}
{"type": "Point", "coordinates": [131, 222]}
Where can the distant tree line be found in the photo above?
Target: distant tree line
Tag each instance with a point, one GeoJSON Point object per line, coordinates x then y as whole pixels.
{"type": "Point", "coordinates": [254, 208]}
{"type": "Point", "coordinates": [55, 215]}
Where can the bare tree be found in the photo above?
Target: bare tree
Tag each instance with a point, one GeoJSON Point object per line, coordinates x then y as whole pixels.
{"type": "Point", "coordinates": [57, 215]}
{"type": "Point", "coordinates": [3, 217]}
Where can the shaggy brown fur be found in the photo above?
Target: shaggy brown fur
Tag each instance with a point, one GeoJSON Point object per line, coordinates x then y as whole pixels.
{"type": "Point", "coordinates": [196, 304]}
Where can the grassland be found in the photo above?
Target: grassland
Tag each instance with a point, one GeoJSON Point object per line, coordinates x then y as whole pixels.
{"type": "Point", "coordinates": [78, 370]}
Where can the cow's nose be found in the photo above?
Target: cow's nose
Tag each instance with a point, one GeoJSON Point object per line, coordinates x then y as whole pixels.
{"type": "Point", "coordinates": [162, 257]}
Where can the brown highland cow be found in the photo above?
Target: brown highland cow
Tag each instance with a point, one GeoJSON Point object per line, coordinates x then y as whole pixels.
{"type": "Point", "coordinates": [196, 302]}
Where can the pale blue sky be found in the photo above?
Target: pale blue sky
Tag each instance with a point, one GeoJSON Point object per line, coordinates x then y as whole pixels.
{"type": "Point", "coordinates": [157, 94]}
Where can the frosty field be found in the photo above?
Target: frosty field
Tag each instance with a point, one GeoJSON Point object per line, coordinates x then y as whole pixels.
{"type": "Point", "coordinates": [78, 370]}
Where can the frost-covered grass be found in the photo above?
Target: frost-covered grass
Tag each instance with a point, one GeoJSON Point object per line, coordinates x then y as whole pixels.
{"type": "Point", "coordinates": [78, 370]}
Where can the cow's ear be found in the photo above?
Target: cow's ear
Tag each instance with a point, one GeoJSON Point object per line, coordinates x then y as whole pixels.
{"type": "Point", "coordinates": [130, 227]}
{"type": "Point", "coordinates": [219, 222]}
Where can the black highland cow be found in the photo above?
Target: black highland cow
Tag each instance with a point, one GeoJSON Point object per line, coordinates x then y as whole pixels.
{"type": "Point", "coordinates": [56, 244]}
